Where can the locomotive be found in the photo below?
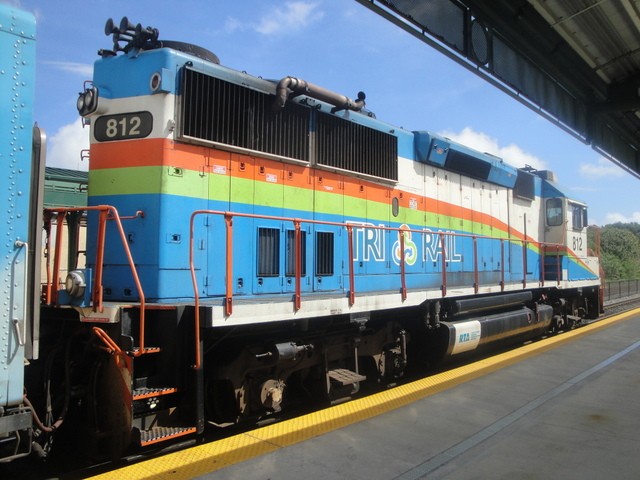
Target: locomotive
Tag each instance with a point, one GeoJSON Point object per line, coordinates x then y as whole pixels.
{"type": "Point", "coordinates": [254, 245]}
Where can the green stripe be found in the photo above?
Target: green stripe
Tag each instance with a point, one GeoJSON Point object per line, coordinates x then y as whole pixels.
{"type": "Point", "coordinates": [147, 180]}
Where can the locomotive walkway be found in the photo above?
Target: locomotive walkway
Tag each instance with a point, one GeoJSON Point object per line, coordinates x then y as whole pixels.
{"type": "Point", "coordinates": [564, 407]}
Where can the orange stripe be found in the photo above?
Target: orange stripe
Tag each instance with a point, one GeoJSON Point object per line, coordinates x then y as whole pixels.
{"type": "Point", "coordinates": [154, 152]}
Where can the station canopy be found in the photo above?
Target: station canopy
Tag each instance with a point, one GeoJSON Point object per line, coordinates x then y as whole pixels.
{"type": "Point", "coordinates": [576, 62]}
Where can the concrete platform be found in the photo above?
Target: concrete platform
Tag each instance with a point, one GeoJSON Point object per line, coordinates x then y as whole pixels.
{"type": "Point", "coordinates": [567, 407]}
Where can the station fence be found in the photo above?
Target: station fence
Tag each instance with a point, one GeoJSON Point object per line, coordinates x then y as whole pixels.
{"type": "Point", "coordinates": [616, 289]}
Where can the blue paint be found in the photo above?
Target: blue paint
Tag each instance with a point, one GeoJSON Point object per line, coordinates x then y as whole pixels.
{"type": "Point", "coordinates": [17, 84]}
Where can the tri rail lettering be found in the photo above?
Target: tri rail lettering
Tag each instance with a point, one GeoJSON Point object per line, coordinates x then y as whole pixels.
{"type": "Point", "coordinates": [370, 244]}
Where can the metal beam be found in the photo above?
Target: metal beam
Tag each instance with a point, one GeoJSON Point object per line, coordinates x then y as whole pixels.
{"type": "Point", "coordinates": [511, 46]}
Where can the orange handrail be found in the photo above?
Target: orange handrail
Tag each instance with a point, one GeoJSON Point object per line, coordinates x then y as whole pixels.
{"type": "Point", "coordinates": [352, 286]}
{"type": "Point", "coordinates": [403, 280]}
{"type": "Point", "coordinates": [106, 212]}
{"type": "Point", "coordinates": [228, 216]}
{"type": "Point", "coordinates": [476, 274]}
{"type": "Point", "coordinates": [298, 265]}
{"type": "Point", "coordinates": [444, 265]}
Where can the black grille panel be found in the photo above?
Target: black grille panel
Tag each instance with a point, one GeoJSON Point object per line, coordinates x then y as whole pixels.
{"type": "Point", "coordinates": [268, 252]}
{"type": "Point", "coordinates": [349, 146]}
{"type": "Point", "coordinates": [525, 185]}
{"type": "Point", "coordinates": [219, 111]}
{"type": "Point", "coordinates": [324, 254]}
{"type": "Point", "coordinates": [291, 253]}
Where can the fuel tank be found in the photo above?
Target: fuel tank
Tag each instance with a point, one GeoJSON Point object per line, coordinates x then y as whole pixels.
{"type": "Point", "coordinates": [481, 333]}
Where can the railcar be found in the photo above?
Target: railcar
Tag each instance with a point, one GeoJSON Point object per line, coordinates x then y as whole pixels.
{"type": "Point", "coordinates": [253, 245]}
{"type": "Point", "coordinates": [21, 152]}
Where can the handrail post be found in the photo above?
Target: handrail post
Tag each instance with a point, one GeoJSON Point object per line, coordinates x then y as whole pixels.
{"type": "Point", "coordinates": [352, 287]}
{"type": "Point", "coordinates": [502, 264]}
{"type": "Point", "coordinates": [403, 283]}
{"type": "Point", "coordinates": [97, 277]}
{"type": "Point", "coordinates": [298, 263]}
{"type": "Point", "coordinates": [47, 248]}
{"type": "Point", "coordinates": [228, 218]}
{"type": "Point", "coordinates": [524, 263]}
{"type": "Point", "coordinates": [444, 264]}
{"type": "Point", "coordinates": [56, 256]}
{"type": "Point", "coordinates": [476, 275]}
{"type": "Point", "coordinates": [558, 265]}
{"type": "Point", "coordinates": [196, 296]}
{"type": "Point", "coordinates": [543, 258]}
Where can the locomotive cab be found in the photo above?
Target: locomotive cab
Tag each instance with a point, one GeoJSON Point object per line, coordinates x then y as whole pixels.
{"type": "Point", "coordinates": [566, 223]}
{"type": "Point", "coordinates": [565, 235]}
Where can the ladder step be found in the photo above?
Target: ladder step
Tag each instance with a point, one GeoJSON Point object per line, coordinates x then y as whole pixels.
{"type": "Point", "coordinates": [144, 392]}
{"type": "Point", "coordinates": [136, 350]}
{"type": "Point", "coordinates": [345, 377]}
{"type": "Point", "coordinates": [162, 434]}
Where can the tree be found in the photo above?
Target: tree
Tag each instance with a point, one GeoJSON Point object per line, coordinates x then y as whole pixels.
{"type": "Point", "coordinates": [620, 251]}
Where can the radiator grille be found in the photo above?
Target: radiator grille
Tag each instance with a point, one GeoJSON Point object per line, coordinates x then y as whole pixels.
{"type": "Point", "coordinates": [219, 111]}
{"type": "Point", "coordinates": [214, 110]}
{"type": "Point", "coordinates": [349, 146]}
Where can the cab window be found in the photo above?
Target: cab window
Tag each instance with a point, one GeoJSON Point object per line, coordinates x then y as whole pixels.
{"type": "Point", "coordinates": [578, 216]}
{"type": "Point", "coordinates": [554, 212]}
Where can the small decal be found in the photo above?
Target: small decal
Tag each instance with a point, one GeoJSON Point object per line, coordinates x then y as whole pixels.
{"type": "Point", "coordinates": [467, 336]}
{"type": "Point", "coordinates": [220, 169]}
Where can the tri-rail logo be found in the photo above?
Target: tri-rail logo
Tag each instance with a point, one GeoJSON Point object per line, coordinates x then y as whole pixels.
{"type": "Point", "coordinates": [370, 244]}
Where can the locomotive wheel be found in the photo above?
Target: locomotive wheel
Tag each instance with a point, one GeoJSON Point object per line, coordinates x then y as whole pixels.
{"type": "Point", "coordinates": [220, 402]}
{"type": "Point", "coordinates": [109, 414]}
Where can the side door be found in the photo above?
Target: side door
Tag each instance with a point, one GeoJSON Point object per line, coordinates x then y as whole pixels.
{"type": "Point", "coordinates": [328, 205]}
{"type": "Point", "coordinates": [298, 203]}
{"type": "Point", "coordinates": [269, 234]}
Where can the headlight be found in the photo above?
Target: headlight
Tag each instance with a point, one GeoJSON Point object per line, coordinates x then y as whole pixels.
{"type": "Point", "coordinates": [80, 103]}
{"type": "Point", "coordinates": [75, 284]}
{"type": "Point", "coordinates": [87, 101]}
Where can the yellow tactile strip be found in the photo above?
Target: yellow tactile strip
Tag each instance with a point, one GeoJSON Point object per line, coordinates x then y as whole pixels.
{"type": "Point", "coordinates": [210, 457]}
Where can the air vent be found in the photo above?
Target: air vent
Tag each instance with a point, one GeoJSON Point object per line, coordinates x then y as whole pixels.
{"type": "Point", "coordinates": [214, 110]}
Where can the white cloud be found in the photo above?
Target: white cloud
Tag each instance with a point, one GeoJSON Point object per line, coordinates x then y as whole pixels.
{"type": "Point", "coordinates": [293, 17]}
{"type": "Point", "coordinates": [64, 147]}
{"type": "Point", "coordinates": [233, 24]}
{"type": "Point", "coordinates": [602, 168]}
{"type": "Point", "coordinates": [84, 69]}
{"type": "Point", "coordinates": [482, 142]}
{"type": "Point", "coordinates": [618, 217]}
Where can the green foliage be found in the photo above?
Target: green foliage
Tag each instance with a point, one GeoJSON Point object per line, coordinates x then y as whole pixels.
{"type": "Point", "coordinates": [620, 251]}
{"type": "Point", "coordinates": [632, 227]}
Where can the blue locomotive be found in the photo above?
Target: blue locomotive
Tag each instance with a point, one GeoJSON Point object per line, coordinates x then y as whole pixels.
{"type": "Point", "coordinates": [252, 245]}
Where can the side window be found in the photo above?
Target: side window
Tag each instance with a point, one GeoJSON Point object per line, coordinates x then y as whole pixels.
{"type": "Point", "coordinates": [578, 216]}
{"type": "Point", "coordinates": [324, 253]}
{"type": "Point", "coordinates": [291, 253]}
{"type": "Point", "coordinates": [554, 212]}
{"type": "Point", "coordinates": [268, 252]}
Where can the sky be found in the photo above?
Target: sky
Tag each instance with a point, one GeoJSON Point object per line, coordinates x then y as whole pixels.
{"type": "Point", "coordinates": [337, 44]}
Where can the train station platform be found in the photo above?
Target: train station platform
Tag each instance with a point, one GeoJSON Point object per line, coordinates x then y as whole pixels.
{"type": "Point", "coordinates": [563, 407]}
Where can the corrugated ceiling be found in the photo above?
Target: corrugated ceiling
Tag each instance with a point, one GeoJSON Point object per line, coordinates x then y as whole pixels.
{"type": "Point", "coordinates": [576, 62]}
